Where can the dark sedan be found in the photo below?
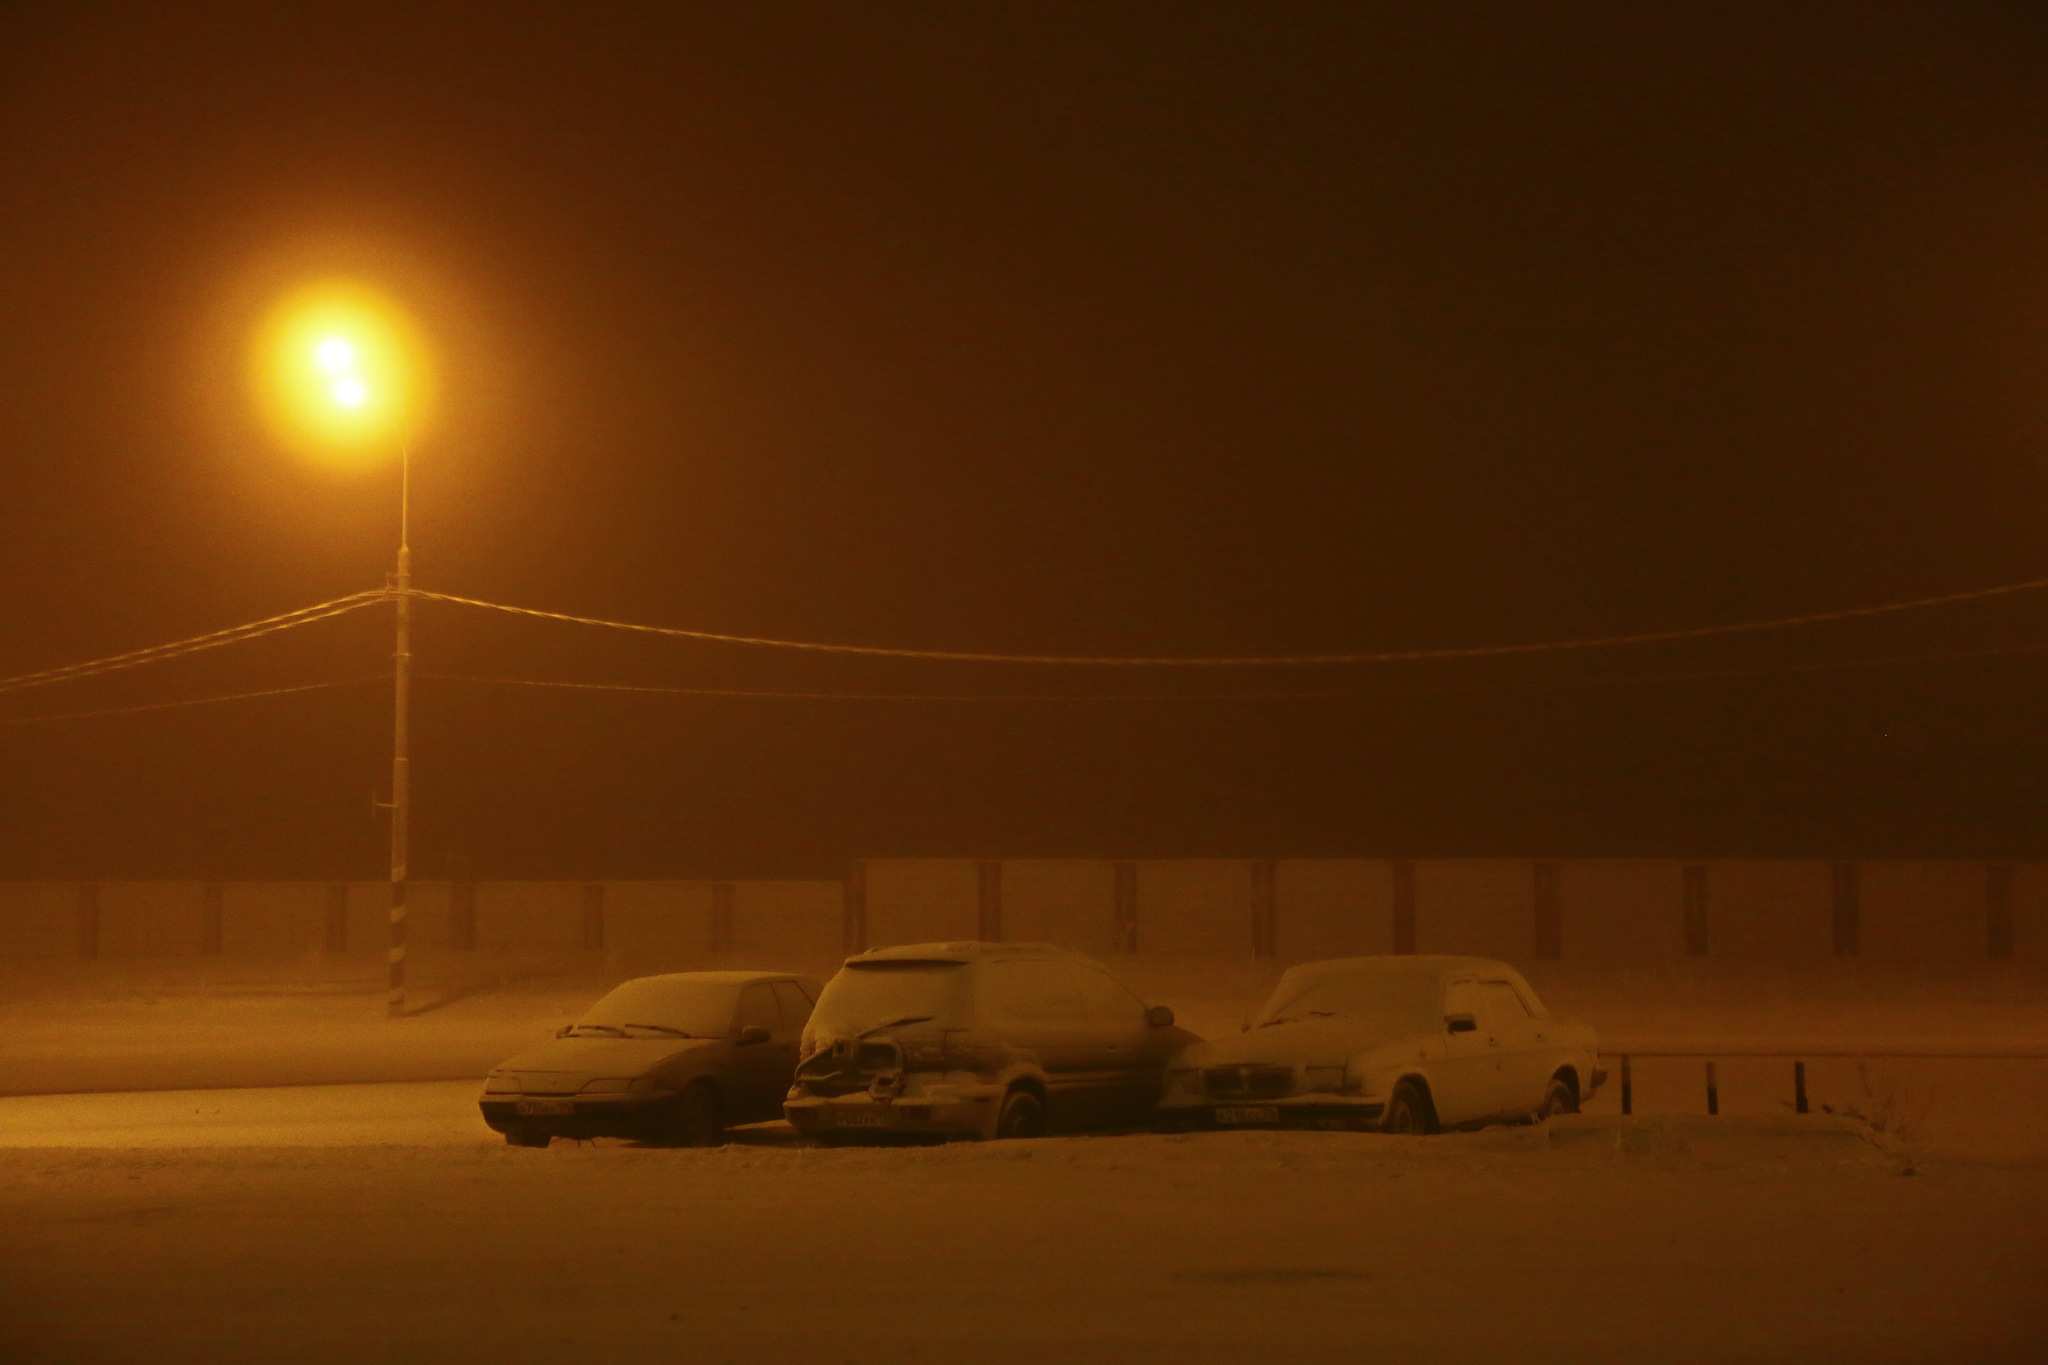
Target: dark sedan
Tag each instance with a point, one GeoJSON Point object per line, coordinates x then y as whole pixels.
{"type": "Point", "coordinates": [673, 1059]}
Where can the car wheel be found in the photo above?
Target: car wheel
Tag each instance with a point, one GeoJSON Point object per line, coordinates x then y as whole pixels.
{"type": "Point", "coordinates": [1023, 1116]}
{"type": "Point", "coordinates": [527, 1135]}
{"type": "Point", "coordinates": [1558, 1100]}
{"type": "Point", "coordinates": [1407, 1112]}
{"type": "Point", "coordinates": [694, 1119]}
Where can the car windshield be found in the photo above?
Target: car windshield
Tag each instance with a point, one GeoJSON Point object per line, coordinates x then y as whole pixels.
{"type": "Point", "coordinates": [663, 1005]}
{"type": "Point", "coordinates": [871, 995]}
{"type": "Point", "coordinates": [1399, 1001]}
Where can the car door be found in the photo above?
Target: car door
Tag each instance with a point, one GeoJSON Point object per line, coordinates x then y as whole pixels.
{"type": "Point", "coordinates": [757, 1077]}
{"type": "Point", "coordinates": [1466, 1086]}
{"type": "Point", "coordinates": [1523, 1058]}
{"type": "Point", "coordinates": [1039, 1007]}
{"type": "Point", "coordinates": [1134, 1054]}
{"type": "Point", "coordinates": [1558, 1044]}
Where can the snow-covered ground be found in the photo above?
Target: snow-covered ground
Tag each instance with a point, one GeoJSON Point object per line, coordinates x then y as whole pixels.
{"type": "Point", "coordinates": [164, 1026]}
{"type": "Point", "coordinates": [357, 1210]}
{"type": "Point", "coordinates": [1674, 1240]}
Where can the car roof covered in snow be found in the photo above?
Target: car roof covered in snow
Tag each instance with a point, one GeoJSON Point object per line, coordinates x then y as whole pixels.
{"type": "Point", "coordinates": [724, 978]}
{"type": "Point", "coordinates": [959, 951]}
{"type": "Point", "coordinates": [1398, 964]}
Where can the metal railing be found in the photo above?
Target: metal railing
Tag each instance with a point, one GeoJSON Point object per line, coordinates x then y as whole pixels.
{"type": "Point", "coordinates": [1799, 1057]}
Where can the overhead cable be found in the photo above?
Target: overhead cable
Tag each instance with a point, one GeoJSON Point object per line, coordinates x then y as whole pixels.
{"type": "Point", "coordinates": [1258, 661]}
{"type": "Point", "coordinates": [886, 696]}
{"type": "Point", "coordinates": [196, 701]}
{"type": "Point", "coordinates": [251, 630]}
{"type": "Point", "coordinates": [1324, 694]}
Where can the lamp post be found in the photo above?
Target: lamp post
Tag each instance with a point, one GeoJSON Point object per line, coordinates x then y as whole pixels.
{"type": "Point", "coordinates": [401, 736]}
{"type": "Point", "coordinates": [354, 395]}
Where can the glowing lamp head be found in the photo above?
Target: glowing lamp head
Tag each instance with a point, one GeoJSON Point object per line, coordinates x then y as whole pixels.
{"type": "Point", "coordinates": [336, 355]}
{"type": "Point", "coordinates": [339, 372]}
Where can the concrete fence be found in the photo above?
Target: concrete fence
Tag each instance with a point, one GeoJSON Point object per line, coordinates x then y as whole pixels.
{"type": "Point", "coordinates": [1593, 911]}
{"type": "Point", "coordinates": [1597, 911]}
{"type": "Point", "coordinates": [635, 920]}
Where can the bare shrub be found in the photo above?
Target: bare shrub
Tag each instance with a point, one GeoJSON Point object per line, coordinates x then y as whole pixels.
{"type": "Point", "coordinates": [1885, 1103]}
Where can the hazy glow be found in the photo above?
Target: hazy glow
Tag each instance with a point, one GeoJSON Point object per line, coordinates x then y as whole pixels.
{"type": "Point", "coordinates": [335, 355]}
{"type": "Point", "coordinates": [340, 372]}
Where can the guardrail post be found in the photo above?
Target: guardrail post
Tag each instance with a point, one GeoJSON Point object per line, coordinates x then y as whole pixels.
{"type": "Point", "coordinates": [1799, 1087]}
{"type": "Point", "coordinates": [1628, 1089]}
{"type": "Point", "coordinates": [1713, 1091]}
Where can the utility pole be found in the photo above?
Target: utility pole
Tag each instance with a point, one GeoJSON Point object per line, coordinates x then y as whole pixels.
{"type": "Point", "coordinates": [401, 758]}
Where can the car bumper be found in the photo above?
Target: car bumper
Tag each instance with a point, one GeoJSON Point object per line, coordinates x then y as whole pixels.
{"type": "Point", "coordinates": [1294, 1111]}
{"type": "Point", "coordinates": [971, 1114]}
{"type": "Point", "coordinates": [575, 1116]}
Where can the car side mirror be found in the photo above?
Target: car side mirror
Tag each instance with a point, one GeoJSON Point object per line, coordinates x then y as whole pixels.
{"type": "Point", "coordinates": [1460, 1023]}
{"type": "Point", "coordinates": [1159, 1016]}
{"type": "Point", "coordinates": [753, 1033]}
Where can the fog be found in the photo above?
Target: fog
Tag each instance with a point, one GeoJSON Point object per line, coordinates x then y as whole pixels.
{"type": "Point", "coordinates": [272, 1176]}
{"type": "Point", "coordinates": [502, 501]}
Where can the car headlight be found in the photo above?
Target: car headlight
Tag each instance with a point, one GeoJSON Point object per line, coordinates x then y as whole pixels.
{"type": "Point", "coordinates": [1184, 1082]}
{"type": "Point", "coordinates": [1326, 1080]}
{"type": "Point", "coordinates": [501, 1085]}
{"type": "Point", "coordinates": [607, 1085]}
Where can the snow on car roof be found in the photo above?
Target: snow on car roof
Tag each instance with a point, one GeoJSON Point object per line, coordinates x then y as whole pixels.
{"type": "Point", "coordinates": [959, 951]}
{"type": "Point", "coordinates": [1403, 964]}
{"type": "Point", "coordinates": [723, 978]}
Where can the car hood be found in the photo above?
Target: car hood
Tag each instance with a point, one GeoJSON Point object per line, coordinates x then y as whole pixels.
{"type": "Point", "coordinates": [1309, 1042]}
{"type": "Point", "coordinates": [589, 1057]}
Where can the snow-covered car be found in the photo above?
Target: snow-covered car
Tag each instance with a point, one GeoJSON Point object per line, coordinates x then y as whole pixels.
{"type": "Point", "coordinates": [674, 1059]}
{"type": "Point", "coordinates": [936, 1040]}
{"type": "Point", "coordinates": [1406, 1044]}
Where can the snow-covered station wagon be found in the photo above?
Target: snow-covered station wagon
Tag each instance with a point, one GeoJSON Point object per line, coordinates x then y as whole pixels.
{"type": "Point", "coordinates": [1407, 1044]}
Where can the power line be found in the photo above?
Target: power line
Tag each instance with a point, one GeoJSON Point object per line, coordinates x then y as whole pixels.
{"type": "Point", "coordinates": [1332, 694]}
{"type": "Point", "coordinates": [1259, 661]}
{"type": "Point", "coordinates": [195, 701]}
{"type": "Point", "coordinates": [356, 601]}
{"type": "Point", "coordinates": [251, 630]}
{"type": "Point", "coordinates": [888, 696]}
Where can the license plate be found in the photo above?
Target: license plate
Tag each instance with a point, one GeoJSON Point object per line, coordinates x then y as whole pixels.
{"type": "Point", "coordinates": [1247, 1113]}
{"type": "Point", "coordinates": [872, 1117]}
{"type": "Point", "coordinates": [536, 1108]}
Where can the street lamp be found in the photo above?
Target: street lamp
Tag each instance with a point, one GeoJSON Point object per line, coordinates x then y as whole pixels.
{"type": "Point", "coordinates": [344, 376]}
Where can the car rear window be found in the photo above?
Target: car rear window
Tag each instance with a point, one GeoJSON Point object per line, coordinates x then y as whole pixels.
{"type": "Point", "coordinates": [702, 1009]}
{"type": "Point", "coordinates": [1027, 991]}
{"type": "Point", "coordinates": [866, 995]}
